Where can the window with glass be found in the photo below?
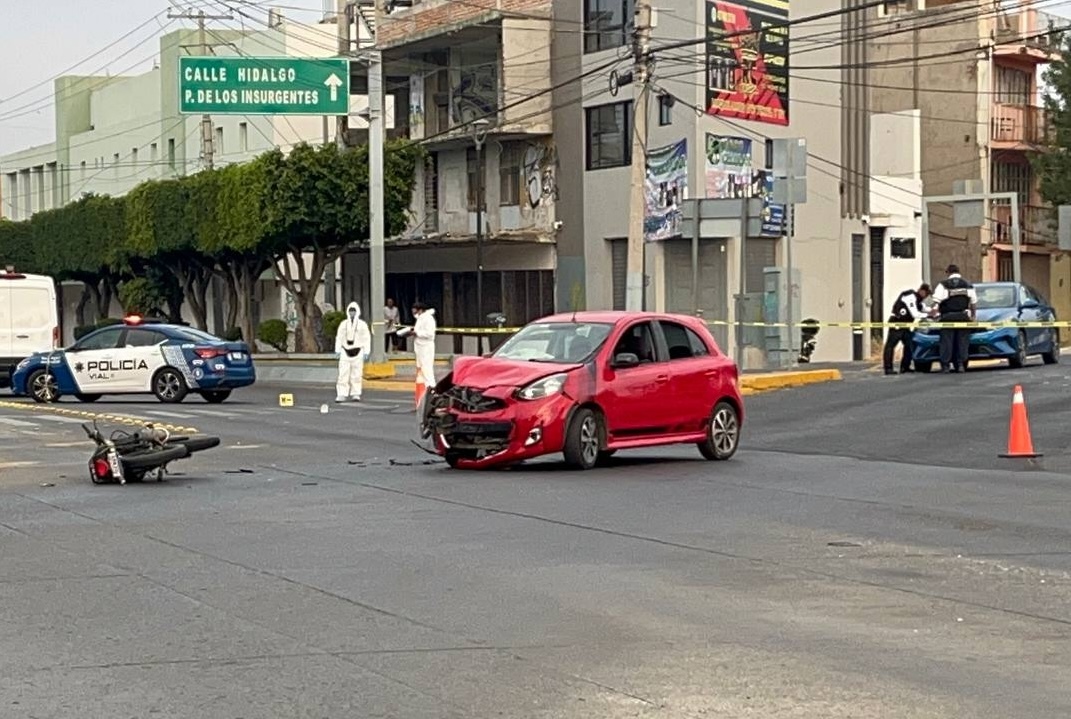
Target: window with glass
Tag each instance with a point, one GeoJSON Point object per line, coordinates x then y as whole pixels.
{"type": "Point", "coordinates": [509, 175]}
{"type": "Point", "coordinates": [609, 135]}
{"type": "Point", "coordinates": [607, 23]}
{"type": "Point", "coordinates": [105, 339]}
{"type": "Point", "coordinates": [681, 342]}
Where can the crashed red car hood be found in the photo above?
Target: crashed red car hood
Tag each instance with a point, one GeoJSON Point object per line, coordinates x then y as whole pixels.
{"type": "Point", "coordinates": [487, 372]}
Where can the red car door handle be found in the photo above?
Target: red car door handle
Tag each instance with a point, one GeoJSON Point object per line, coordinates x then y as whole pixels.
{"type": "Point", "coordinates": [662, 378]}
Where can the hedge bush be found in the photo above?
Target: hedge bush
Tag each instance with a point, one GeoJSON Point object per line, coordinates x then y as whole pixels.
{"type": "Point", "coordinates": [331, 322]}
{"type": "Point", "coordinates": [274, 333]}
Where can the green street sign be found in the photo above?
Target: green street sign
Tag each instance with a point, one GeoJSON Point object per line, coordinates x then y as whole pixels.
{"type": "Point", "coordinates": [264, 86]}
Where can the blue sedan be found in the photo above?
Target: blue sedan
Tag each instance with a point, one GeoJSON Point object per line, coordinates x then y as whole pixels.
{"type": "Point", "coordinates": [1000, 302]}
{"type": "Point", "coordinates": [138, 357]}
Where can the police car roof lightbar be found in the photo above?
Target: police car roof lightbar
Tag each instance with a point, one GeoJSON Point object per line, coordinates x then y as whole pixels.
{"type": "Point", "coordinates": [139, 320]}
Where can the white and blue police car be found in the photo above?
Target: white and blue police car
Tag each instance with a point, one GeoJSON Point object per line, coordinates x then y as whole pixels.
{"type": "Point", "coordinates": [138, 357]}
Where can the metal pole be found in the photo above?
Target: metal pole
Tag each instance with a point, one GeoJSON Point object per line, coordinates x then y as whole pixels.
{"type": "Point", "coordinates": [342, 20]}
{"type": "Point", "coordinates": [377, 260]}
{"type": "Point", "coordinates": [924, 240]}
{"type": "Point", "coordinates": [206, 120]}
{"type": "Point", "coordinates": [1017, 240]}
{"type": "Point", "coordinates": [479, 243]}
{"type": "Point", "coordinates": [743, 284]}
{"type": "Point", "coordinates": [695, 260]}
{"type": "Point", "coordinates": [634, 285]}
{"type": "Point", "coordinates": [790, 304]}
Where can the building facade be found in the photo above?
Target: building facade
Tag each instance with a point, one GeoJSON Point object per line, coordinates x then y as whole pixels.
{"type": "Point", "coordinates": [980, 119]}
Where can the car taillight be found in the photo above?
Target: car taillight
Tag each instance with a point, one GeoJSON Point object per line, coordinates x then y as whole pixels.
{"type": "Point", "coordinates": [100, 466]}
{"type": "Point", "coordinates": [208, 352]}
{"type": "Point", "coordinates": [55, 337]}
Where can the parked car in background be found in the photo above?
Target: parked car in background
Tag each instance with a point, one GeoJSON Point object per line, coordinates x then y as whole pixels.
{"type": "Point", "coordinates": [588, 384]}
{"type": "Point", "coordinates": [29, 319]}
{"type": "Point", "coordinates": [999, 302]}
{"type": "Point", "coordinates": [138, 357]}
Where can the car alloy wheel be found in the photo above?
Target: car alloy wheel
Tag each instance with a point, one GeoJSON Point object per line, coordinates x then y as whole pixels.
{"type": "Point", "coordinates": [589, 440]}
{"type": "Point", "coordinates": [43, 387]}
{"type": "Point", "coordinates": [723, 433]}
{"type": "Point", "coordinates": [168, 386]}
{"type": "Point", "coordinates": [583, 439]}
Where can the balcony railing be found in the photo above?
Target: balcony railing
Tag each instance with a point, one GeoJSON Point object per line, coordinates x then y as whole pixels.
{"type": "Point", "coordinates": [1023, 124]}
{"type": "Point", "coordinates": [1037, 224]}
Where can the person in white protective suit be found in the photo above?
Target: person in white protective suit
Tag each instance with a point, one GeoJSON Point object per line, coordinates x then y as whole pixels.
{"type": "Point", "coordinates": [424, 344]}
{"type": "Point", "coordinates": [353, 341]}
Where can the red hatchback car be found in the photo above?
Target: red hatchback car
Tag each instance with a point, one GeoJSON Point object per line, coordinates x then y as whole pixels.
{"type": "Point", "coordinates": [587, 385]}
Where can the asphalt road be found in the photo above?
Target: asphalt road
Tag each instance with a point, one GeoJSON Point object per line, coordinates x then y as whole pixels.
{"type": "Point", "coordinates": [865, 555]}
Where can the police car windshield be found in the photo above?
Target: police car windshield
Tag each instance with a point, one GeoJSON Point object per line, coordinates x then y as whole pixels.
{"type": "Point", "coordinates": [995, 297]}
{"type": "Point", "coordinates": [560, 342]}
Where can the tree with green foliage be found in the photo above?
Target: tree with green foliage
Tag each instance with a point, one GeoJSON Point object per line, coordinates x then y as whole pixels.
{"type": "Point", "coordinates": [1053, 166]}
{"type": "Point", "coordinates": [317, 205]}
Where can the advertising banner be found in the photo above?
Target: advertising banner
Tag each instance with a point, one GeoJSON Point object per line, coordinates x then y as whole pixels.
{"type": "Point", "coordinates": [729, 175]}
{"type": "Point", "coordinates": [666, 188]}
{"type": "Point", "coordinates": [747, 60]}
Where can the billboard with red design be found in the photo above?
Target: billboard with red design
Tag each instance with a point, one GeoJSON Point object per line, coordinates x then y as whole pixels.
{"type": "Point", "coordinates": [747, 60]}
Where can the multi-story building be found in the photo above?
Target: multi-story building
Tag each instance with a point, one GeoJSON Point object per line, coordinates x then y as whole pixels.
{"type": "Point", "coordinates": [557, 155]}
{"type": "Point", "coordinates": [449, 63]}
{"type": "Point", "coordinates": [970, 70]}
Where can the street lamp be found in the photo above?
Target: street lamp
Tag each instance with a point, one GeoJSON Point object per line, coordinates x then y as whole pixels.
{"type": "Point", "coordinates": [479, 134]}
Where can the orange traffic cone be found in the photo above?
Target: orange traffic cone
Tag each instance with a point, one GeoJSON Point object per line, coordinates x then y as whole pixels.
{"type": "Point", "coordinates": [1019, 442]}
{"type": "Point", "coordinates": [419, 388]}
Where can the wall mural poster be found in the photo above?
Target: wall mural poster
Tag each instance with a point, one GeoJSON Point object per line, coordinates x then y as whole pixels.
{"type": "Point", "coordinates": [747, 60]}
{"type": "Point", "coordinates": [666, 189]}
{"type": "Point", "coordinates": [729, 175]}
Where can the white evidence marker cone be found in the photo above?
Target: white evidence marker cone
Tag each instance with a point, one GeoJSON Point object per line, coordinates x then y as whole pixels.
{"type": "Point", "coordinates": [324, 409]}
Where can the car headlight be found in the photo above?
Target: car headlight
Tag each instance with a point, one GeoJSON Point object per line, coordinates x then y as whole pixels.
{"type": "Point", "coordinates": [545, 387]}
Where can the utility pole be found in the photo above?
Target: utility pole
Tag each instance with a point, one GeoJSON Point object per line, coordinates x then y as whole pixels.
{"type": "Point", "coordinates": [641, 44]}
{"type": "Point", "coordinates": [207, 143]}
{"type": "Point", "coordinates": [342, 20]}
{"type": "Point", "coordinates": [376, 131]}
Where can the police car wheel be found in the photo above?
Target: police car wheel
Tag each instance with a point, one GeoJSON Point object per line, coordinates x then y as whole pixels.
{"type": "Point", "coordinates": [87, 397]}
{"type": "Point", "coordinates": [42, 386]}
{"type": "Point", "coordinates": [216, 396]}
{"type": "Point", "coordinates": [169, 386]}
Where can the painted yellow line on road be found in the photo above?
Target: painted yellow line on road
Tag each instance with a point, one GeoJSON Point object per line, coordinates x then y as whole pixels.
{"type": "Point", "coordinates": [99, 416]}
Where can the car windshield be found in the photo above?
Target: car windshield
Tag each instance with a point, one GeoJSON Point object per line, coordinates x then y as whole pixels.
{"type": "Point", "coordinates": [561, 342]}
{"type": "Point", "coordinates": [995, 297]}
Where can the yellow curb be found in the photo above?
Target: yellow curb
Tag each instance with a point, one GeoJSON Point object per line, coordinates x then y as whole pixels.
{"type": "Point", "coordinates": [783, 380]}
{"type": "Point", "coordinates": [378, 370]}
{"type": "Point", "coordinates": [82, 414]}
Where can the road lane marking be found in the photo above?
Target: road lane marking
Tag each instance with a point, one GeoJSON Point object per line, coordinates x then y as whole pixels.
{"type": "Point", "coordinates": [82, 415]}
{"type": "Point", "coordinates": [16, 422]}
{"type": "Point", "coordinates": [58, 419]}
{"type": "Point", "coordinates": [16, 465]}
{"type": "Point", "coordinates": [172, 415]}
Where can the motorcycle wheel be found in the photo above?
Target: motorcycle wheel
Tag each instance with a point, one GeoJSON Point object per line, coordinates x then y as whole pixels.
{"type": "Point", "coordinates": [142, 461]}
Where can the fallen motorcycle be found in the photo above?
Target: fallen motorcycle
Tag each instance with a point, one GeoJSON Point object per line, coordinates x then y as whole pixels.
{"type": "Point", "coordinates": [131, 456]}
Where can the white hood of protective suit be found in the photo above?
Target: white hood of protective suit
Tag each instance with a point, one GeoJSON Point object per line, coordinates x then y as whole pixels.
{"type": "Point", "coordinates": [353, 333]}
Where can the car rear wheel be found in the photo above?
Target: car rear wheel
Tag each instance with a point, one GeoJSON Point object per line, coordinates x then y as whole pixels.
{"type": "Point", "coordinates": [1019, 358]}
{"type": "Point", "coordinates": [216, 396]}
{"type": "Point", "coordinates": [42, 387]}
{"type": "Point", "coordinates": [583, 440]}
{"type": "Point", "coordinates": [169, 386]}
{"type": "Point", "coordinates": [723, 433]}
{"type": "Point", "coordinates": [1053, 355]}
{"type": "Point", "coordinates": [87, 397]}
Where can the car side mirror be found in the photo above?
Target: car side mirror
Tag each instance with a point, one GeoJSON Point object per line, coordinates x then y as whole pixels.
{"type": "Point", "coordinates": [1029, 305]}
{"type": "Point", "coordinates": [625, 360]}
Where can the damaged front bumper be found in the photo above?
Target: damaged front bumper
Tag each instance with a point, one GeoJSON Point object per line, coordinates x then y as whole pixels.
{"type": "Point", "coordinates": [482, 428]}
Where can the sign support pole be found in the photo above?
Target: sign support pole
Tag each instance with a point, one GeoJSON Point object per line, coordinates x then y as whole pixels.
{"type": "Point", "coordinates": [634, 278]}
{"type": "Point", "coordinates": [207, 150]}
{"type": "Point", "coordinates": [376, 249]}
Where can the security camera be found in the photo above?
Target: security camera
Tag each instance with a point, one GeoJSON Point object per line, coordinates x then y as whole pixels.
{"type": "Point", "coordinates": [558, 224]}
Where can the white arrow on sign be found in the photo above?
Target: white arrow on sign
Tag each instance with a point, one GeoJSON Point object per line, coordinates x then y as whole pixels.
{"type": "Point", "coordinates": [334, 82]}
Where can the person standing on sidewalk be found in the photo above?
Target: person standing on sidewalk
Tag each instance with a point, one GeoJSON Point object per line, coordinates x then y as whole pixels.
{"type": "Point", "coordinates": [391, 321]}
{"type": "Point", "coordinates": [957, 301]}
{"type": "Point", "coordinates": [906, 310]}
{"type": "Point", "coordinates": [424, 345]}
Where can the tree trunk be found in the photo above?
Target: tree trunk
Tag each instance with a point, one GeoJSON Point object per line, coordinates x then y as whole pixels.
{"type": "Point", "coordinates": [304, 288]}
{"type": "Point", "coordinates": [104, 298]}
{"type": "Point", "coordinates": [195, 289]}
{"type": "Point", "coordinates": [230, 282]}
{"type": "Point", "coordinates": [80, 310]}
{"type": "Point", "coordinates": [94, 291]}
{"type": "Point", "coordinates": [248, 273]}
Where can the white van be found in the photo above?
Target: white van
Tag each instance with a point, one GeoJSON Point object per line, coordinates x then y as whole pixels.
{"type": "Point", "coordinates": [29, 319]}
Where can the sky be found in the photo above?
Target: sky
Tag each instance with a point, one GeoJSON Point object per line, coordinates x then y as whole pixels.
{"type": "Point", "coordinates": [42, 40]}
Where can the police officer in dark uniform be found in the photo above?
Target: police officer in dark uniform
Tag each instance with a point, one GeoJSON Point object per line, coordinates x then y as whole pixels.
{"type": "Point", "coordinates": [906, 310]}
{"type": "Point", "coordinates": [957, 301]}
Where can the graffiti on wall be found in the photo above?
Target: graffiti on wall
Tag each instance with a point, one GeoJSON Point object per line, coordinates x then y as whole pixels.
{"type": "Point", "coordinates": [416, 104]}
{"type": "Point", "coordinates": [540, 174]}
{"type": "Point", "coordinates": [473, 93]}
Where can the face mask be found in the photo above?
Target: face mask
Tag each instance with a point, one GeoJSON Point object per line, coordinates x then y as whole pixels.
{"type": "Point", "coordinates": [353, 315]}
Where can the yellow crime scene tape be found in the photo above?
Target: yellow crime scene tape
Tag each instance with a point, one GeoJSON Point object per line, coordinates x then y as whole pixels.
{"type": "Point", "coordinates": [936, 325]}
{"type": "Point", "coordinates": [82, 414]}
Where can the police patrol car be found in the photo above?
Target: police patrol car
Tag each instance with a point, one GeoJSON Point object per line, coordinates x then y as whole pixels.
{"type": "Point", "coordinates": [138, 357]}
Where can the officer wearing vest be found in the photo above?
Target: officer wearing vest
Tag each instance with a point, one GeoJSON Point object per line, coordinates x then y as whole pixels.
{"type": "Point", "coordinates": [906, 310]}
{"type": "Point", "coordinates": [956, 302]}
